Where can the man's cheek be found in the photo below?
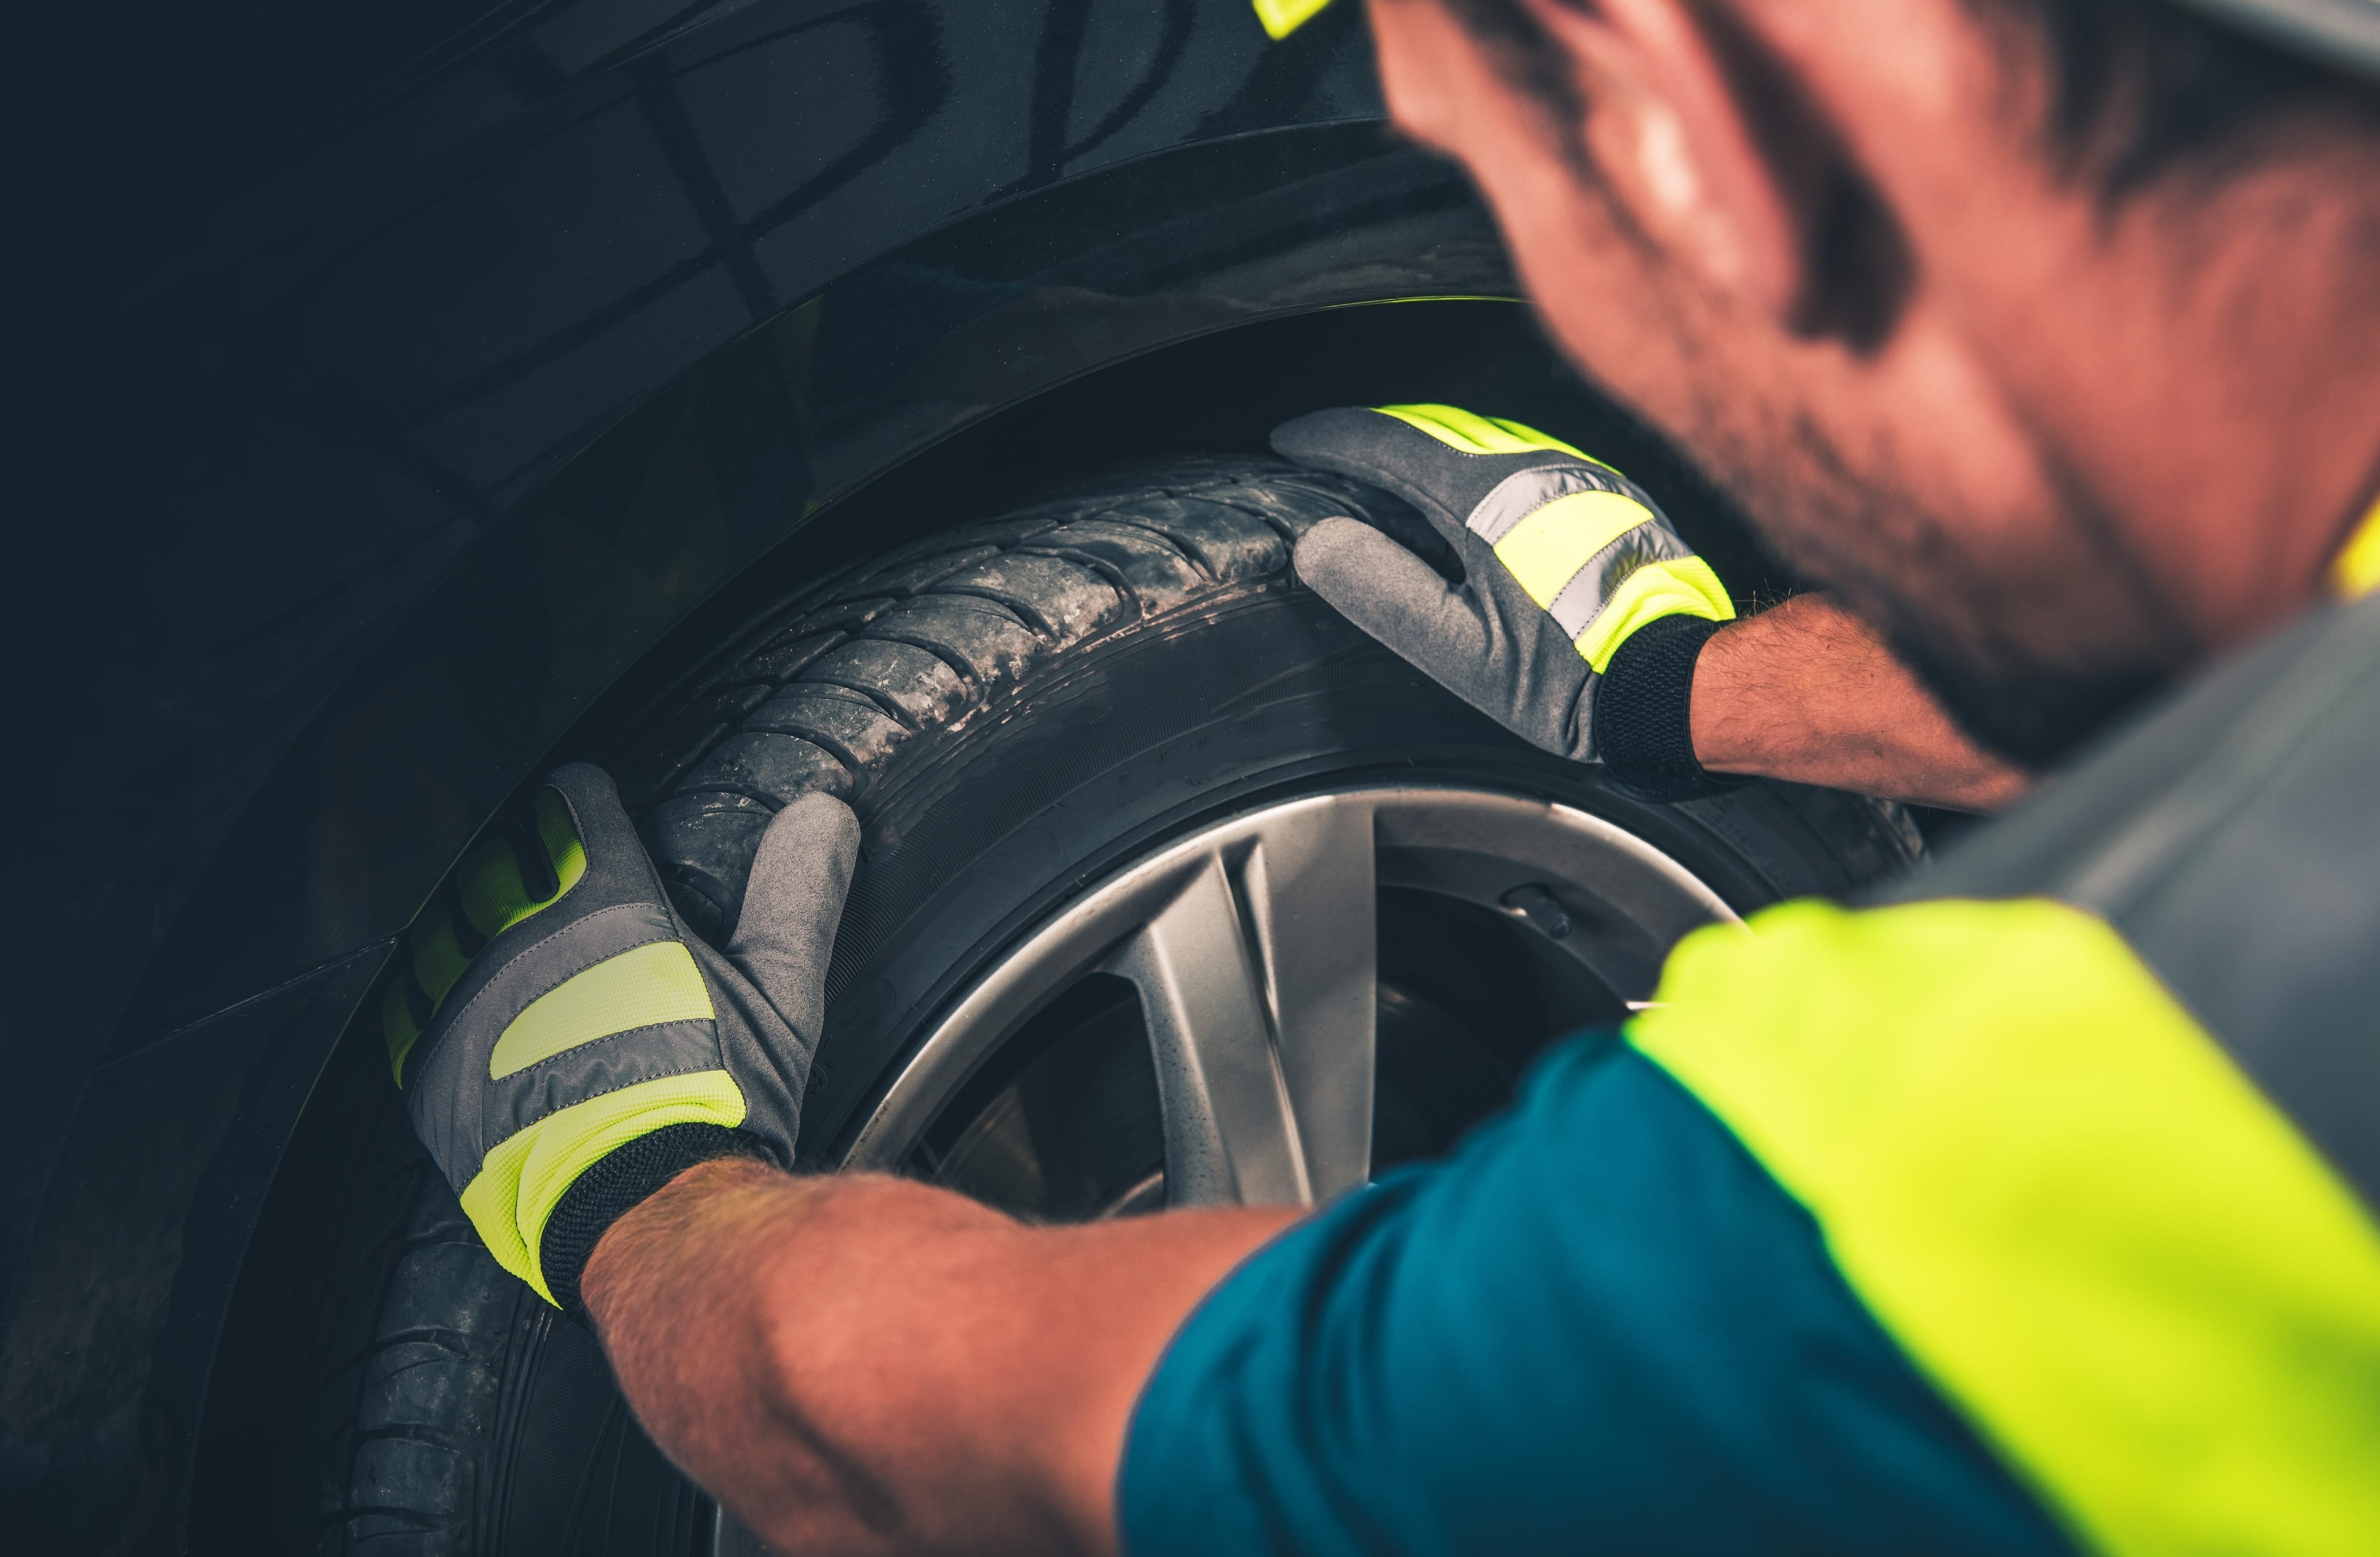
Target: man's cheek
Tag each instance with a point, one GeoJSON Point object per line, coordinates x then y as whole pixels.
{"type": "Point", "coordinates": [1613, 318]}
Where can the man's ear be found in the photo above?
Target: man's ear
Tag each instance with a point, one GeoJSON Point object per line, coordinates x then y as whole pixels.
{"type": "Point", "coordinates": [1703, 142]}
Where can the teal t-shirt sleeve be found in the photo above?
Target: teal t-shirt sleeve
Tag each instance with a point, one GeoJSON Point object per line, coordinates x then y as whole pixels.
{"type": "Point", "coordinates": [1598, 1325]}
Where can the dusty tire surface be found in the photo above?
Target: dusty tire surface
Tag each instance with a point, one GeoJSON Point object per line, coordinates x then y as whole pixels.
{"type": "Point", "coordinates": [970, 687]}
{"type": "Point", "coordinates": [454, 1412]}
{"type": "Point", "coordinates": [942, 631]}
{"type": "Point", "coordinates": [1013, 709]}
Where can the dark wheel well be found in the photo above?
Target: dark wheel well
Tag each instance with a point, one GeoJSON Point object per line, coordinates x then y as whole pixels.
{"type": "Point", "coordinates": [1221, 391]}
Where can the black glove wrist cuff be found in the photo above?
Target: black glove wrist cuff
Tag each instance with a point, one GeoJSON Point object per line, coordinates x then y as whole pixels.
{"type": "Point", "coordinates": [1643, 711]}
{"type": "Point", "coordinates": [615, 1186]}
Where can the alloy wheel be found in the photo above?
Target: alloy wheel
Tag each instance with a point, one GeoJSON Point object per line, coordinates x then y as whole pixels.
{"type": "Point", "coordinates": [1246, 961]}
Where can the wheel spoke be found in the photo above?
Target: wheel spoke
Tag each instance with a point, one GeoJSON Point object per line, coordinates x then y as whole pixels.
{"type": "Point", "coordinates": [1257, 981]}
{"type": "Point", "coordinates": [1229, 1134]}
{"type": "Point", "coordinates": [1309, 889]}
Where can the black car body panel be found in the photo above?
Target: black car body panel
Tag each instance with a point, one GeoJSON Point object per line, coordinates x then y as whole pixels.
{"type": "Point", "coordinates": [391, 445]}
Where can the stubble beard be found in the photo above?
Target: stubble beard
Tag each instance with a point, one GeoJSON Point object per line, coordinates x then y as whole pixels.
{"type": "Point", "coordinates": [1970, 628]}
{"type": "Point", "coordinates": [1901, 567]}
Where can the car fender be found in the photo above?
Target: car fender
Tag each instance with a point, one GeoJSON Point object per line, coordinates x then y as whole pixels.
{"type": "Point", "coordinates": [402, 452]}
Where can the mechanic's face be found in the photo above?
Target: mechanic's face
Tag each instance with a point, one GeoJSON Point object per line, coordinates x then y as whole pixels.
{"type": "Point", "coordinates": [1886, 378]}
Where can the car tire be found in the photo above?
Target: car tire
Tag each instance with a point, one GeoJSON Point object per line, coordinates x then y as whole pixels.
{"type": "Point", "coordinates": [1016, 710]}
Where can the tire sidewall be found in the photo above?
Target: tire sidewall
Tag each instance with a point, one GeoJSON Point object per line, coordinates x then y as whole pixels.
{"type": "Point", "coordinates": [977, 833]}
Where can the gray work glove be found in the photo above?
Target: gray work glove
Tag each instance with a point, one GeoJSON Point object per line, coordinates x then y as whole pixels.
{"type": "Point", "coordinates": [567, 1045]}
{"type": "Point", "coordinates": [1566, 563]}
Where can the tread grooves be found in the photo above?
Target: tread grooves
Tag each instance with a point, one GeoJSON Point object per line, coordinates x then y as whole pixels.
{"type": "Point", "coordinates": [410, 1518]}
{"type": "Point", "coordinates": [1108, 571]}
{"type": "Point", "coordinates": [824, 742]}
{"type": "Point", "coordinates": [727, 790]}
{"type": "Point", "coordinates": [1149, 527]}
{"type": "Point", "coordinates": [1071, 569]}
{"type": "Point", "coordinates": [454, 1343]}
{"type": "Point", "coordinates": [414, 1432]}
{"type": "Point", "coordinates": [1038, 624]}
{"type": "Point", "coordinates": [1267, 520]}
{"type": "Point", "coordinates": [908, 722]}
{"type": "Point", "coordinates": [958, 667]}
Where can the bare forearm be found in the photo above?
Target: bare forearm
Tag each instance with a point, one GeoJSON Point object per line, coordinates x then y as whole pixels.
{"type": "Point", "coordinates": [1808, 693]}
{"type": "Point", "coordinates": [869, 1364]}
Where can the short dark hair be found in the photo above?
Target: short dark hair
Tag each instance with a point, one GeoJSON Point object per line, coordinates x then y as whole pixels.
{"type": "Point", "coordinates": [2140, 87]}
{"type": "Point", "coordinates": [2137, 87]}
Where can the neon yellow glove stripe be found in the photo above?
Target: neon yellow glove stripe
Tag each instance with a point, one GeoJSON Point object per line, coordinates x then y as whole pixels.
{"type": "Point", "coordinates": [524, 1178]}
{"type": "Point", "coordinates": [438, 958]}
{"type": "Point", "coordinates": [642, 987]}
{"type": "Point", "coordinates": [1281, 18]}
{"type": "Point", "coordinates": [490, 890]}
{"type": "Point", "coordinates": [563, 849]}
{"type": "Point", "coordinates": [2090, 1230]}
{"type": "Point", "coordinates": [1680, 587]}
{"type": "Point", "coordinates": [398, 1028]}
{"type": "Point", "coordinates": [1545, 550]}
{"type": "Point", "coordinates": [491, 897]}
{"type": "Point", "coordinates": [1474, 433]}
{"type": "Point", "coordinates": [493, 893]}
{"type": "Point", "coordinates": [2356, 571]}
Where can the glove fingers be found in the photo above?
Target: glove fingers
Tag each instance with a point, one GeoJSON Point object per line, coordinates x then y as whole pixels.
{"type": "Point", "coordinates": [1400, 600]}
{"type": "Point", "coordinates": [574, 848]}
{"type": "Point", "coordinates": [1355, 442]}
{"type": "Point", "coordinates": [792, 906]}
{"type": "Point", "coordinates": [605, 848]}
{"type": "Point", "coordinates": [1505, 658]}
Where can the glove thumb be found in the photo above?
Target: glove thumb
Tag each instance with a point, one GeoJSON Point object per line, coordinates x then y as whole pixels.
{"type": "Point", "coordinates": [793, 906]}
{"type": "Point", "coordinates": [1397, 599]}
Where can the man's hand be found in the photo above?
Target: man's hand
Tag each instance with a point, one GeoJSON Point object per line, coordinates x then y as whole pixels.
{"type": "Point", "coordinates": [850, 1364]}
{"type": "Point", "coordinates": [583, 1047]}
{"type": "Point", "coordinates": [1580, 612]}
{"type": "Point", "coordinates": [1585, 626]}
{"type": "Point", "coordinates": [870, 1366]}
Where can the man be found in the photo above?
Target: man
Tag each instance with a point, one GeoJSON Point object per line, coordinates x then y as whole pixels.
{"type": "Point", "coordinates": [2032, 1212]}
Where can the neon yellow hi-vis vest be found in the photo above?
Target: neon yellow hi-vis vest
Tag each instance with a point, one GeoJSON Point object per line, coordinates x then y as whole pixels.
{"type": "Point", "coordinates": [2089, 1116]}
{"type": "Point", "coordinates": [2355, 572]}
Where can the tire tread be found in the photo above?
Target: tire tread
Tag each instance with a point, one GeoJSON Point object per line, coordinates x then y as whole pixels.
{"type": "Point", "coordinates": [939, 629]}
{"type": "Point", "coordinates": [410, 1347]}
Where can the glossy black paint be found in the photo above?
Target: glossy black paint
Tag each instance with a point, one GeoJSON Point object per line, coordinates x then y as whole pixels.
{"type": "Point", "coordinates": [135, 1260]}
{"type": "Point", "coordinates": [411, 386]}
{"type": "Point", "coordinates": [503, 654]}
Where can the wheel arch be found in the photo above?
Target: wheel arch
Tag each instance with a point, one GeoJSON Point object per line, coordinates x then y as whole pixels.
{"type": "Point", "coordinates": [584, 607]}
{"type": "Point", "coordinates": [273, 786]}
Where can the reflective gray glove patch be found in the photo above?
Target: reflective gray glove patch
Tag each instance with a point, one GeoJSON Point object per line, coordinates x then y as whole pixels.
{"type": "Point", "coordinates": [1565, 561]}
